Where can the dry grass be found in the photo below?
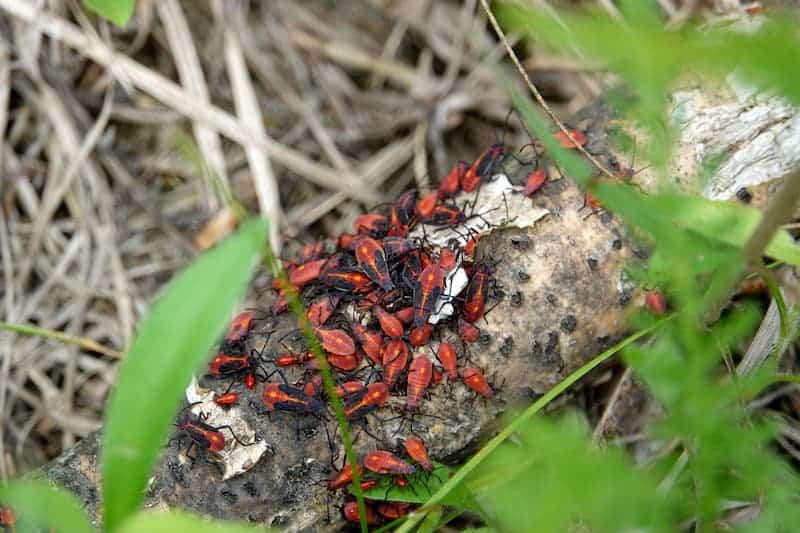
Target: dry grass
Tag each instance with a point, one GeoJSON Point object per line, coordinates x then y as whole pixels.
{"type": "Point", "coordinates": [112, 142]}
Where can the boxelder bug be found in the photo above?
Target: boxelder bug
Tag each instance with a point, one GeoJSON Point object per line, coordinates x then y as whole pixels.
{"type": "Point", "coordinates": [370, 341]}
{"type": "Point", "coordinates": [426, 292]}
{"type": "Point", "coordinates": [449, 359]}
{"type": "Point", "coordinates": [336, 341]}
{"type": "Point", "coordinates": [202, 434]}
{"type": "Point", "coordinates": [350, 512]}
{"type": "Point", "coordinates": [445, 215]}
{"type": "Point", "coordinates": [372, 260]}
{"type": "Point", "coordinates": [346, 241]}
{"type": "Point", "coordinates": [405, 315]}
{"type": "Point", "coordinates": [383, 462]}
{"type": "Point", "coordinates": [227, 398]}
{"type": "Point", "coordinates": [419, 378]}
{"type": "Point", "coordinates": [565, 142]}
{"type": "Point", "coordinates": [389, 323]}
{"type": "Point", "coordinates": [473, 378]}
{"type": "Point", "coordinates": [284, 397]}
{"type": "Point", "coordinates": [311, 251]}
{"type": "Point", "coordinates": [398, 246]}
{"type": "Point", "coordinates": [365, 401]}
{"type": "Point", "coordinates": [239, 328]}
{"type": "Point", "coordinates": [452, 182]}
{"type": "Point", "coordinates": [250, 381]}
{"type": "Point", "coordinates": [395, 359]}
{"type": "Point", "coordinates": [393, 510]}
{"type": "Point", "coordinates": [482, 167]}
{"type": "Point", "coordinates": [348, 388]}
{"type": "Point", "coordinates": [417, 451]}
{"type": "Point", "coordinates": [655, 302]}
{"type": "Point", "coordinates": [305, 273]}
{"type": "Point", "coordinates": [534, 182]}
{"type": "Point", "coordinates": [344, 363]}
{"type": "Point", "coordinates": [371, 223]}
{"type": "Point", "coordinates": [420, 335]}
{"type": "Point", "coordinates": [468, 332]}
{"type": "Point", "coordinates": [425, 206]}
{"type": "Point", "coordinates": [475, 298]}
{"type": "Point", "coordinates": [320, 311]}
{"type": "Point", "coordinates": [344, 477]}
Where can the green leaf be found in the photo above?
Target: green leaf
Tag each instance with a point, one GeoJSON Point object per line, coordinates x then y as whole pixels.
{"type": "Point", "coordinates": [418, 490]}
{"type": "Point", "coordinates": [40, 504]}
{"type": "Point", "coordinates": [727, 223]}
{"type": "Point", "coordinates": [169, 522]}
{"type": "Point", "coordinates": [117, 11]}
{"type": "Point", "coordinates": [173, 341]}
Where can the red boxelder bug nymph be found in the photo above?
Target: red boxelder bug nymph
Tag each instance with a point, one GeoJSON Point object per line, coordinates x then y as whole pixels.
{"type": "Point", "coordinates": [384, 462]}
{"type": "Point", "coordinates": [395, 359]}
{"type": "Point", "coordinates": [474, 379]}
{"type": "Point", "coordinates": [239, 328]}
{"type": "Point", "coordinates": [417, 451]}
{"type": "Point", "coordinates": [534, 182]}
{"type": "Point", "coordinates": [389, 323]}
{"type": "Point", "coordinates": [452, 182]}
{"type": "Point", "coordinates": [350, 512]}
{"type": "Point", "coordinates": [343, 478]}
{"type": "Point", "coordinates": [449, 359]}
{"type": "Point", "coordinates": [336, 341]}
{"type": "Point", "coordinates": [419, 378]}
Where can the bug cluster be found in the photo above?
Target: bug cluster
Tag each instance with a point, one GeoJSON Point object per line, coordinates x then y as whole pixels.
{"type": "Point", "coordinates": [381, 302]}
{"type": "Point", "coordinates": [383, 466]}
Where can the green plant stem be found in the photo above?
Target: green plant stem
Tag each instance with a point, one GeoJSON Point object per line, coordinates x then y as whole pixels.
{"type": "Point", "coordinates": [778, 211]}
{"type": "Point", "coordinates": [327, 378]}
{"type": "Point", "coordinates": [86, 344]}
{"type": "Point", "coordinates": [415, 517]}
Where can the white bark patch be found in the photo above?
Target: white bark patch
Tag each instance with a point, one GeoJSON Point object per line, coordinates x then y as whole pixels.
{"type": "Point", "coordinates": [500, 206]}
{"type": "Point", "coordinates": [235, 458]}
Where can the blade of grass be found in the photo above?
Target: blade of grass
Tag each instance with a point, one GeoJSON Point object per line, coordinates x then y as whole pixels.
{"type": "Point", "coordinates": [172, 342]}
{"type": "Point", "coordinates": [81, 342]}
{"type": "Point", "coordinates": [415, 517]}
{"type": "Point", "coordinates": [324, 368]}
{"type": "Point", "coordinates": [36, 502]}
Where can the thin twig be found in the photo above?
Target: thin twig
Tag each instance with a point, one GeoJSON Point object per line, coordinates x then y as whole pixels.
{"type": "Point", "coordinates": [502, 36]}
{"type": "Point", "coordinates": [81, 342]}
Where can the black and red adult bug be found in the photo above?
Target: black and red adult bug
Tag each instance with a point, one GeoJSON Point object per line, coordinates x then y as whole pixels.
{"type": "Point", "coordinates": [311, 251]}
{"type": "Point", "coordinates": [398, 246]}
{"type": "Point", "coordinates": [230, 365]}
{"type": "Point", "coordinates": [482, 167]}
{"type": "Point", "coordinates": [405, 204]}
{"type": "Point", "coordinates": [285, 397]}
{"type": "Point", "coordinates": [426, 293]}
{"type": "Point", "coordinates": [445, 215]}
{"type": "Point", "coordinates": [361, 403]}
{"type": "Point", "coordinates": [476, 294]}
{"type": "Point", "coordinates": [347, 280]}
{"type": "Point", "coordinates": [372, 260]}
{"type": "Point", "coordinates": [202, 434]}
{"type": "Point", "coordinates": [374, 224]}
